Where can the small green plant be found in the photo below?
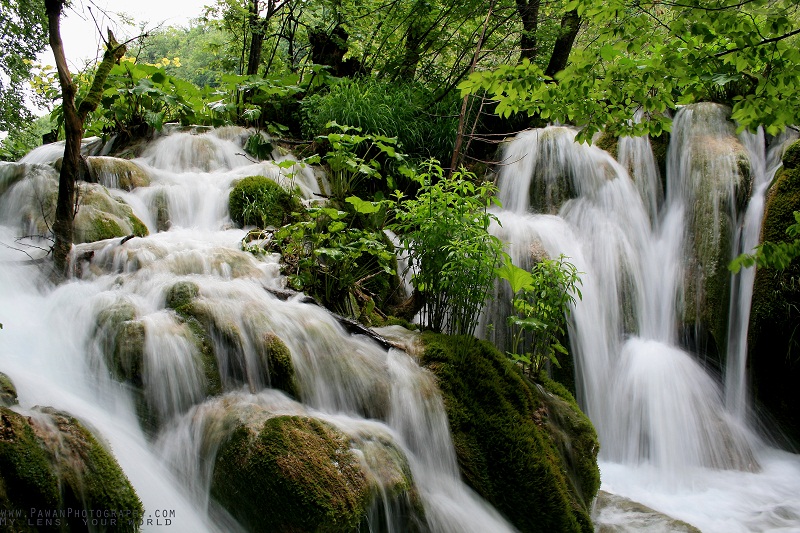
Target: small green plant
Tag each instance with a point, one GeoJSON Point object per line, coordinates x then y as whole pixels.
{"type": "Point", "coordinates": [355, 157]}
{"type": "Point", "coordinates": [259, 201]}
{"type": "Point", "coordinates": [452, 255]}
{"type": "Point", "coordinates": [541, 302]}
{"type": "Point", "coordinates": [341, 265]}
{"type": "Point", "coordinates": [772, 255]}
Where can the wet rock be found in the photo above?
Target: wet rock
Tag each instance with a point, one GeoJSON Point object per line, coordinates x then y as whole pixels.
{"type": "Point", "coordinates": [533, 456]}
{"type": "Point", "coordinates": [617, 514]}
{"type": "Point", "coordinates": [291, 473]}
{"type": "Point", "coordinates": [277, 359]}
{"type": "Point", "coordinates": [8, 392]}
{"type": "Point", "coordinates": [116, 173]}
{"type": "Point", "coordinates": [50, 461]}
{"type": "Point", "coordinates": [773, 343]}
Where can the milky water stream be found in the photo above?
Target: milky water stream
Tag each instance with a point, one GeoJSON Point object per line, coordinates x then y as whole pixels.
{"type": "Point", "coordinates": [673, 434]}
{"type": "Point", "coordinates": [52, 346]}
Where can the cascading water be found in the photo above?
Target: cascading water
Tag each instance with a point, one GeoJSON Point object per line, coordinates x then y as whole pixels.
{"type": "Point", "coordinates": [56, 347]}
{"type": "Point", "coordinates": [654, 276]}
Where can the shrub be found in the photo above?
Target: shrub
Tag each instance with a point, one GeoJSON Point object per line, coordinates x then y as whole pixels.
{"type": "Point", "coordinates": [341, 265]}
{"type": "Point", "coordinates": [541, 300]}
{"type": "Point", "coordinates": [259, 201]}
{"type": "Point", "coordinates": [424, 127]}
{"type": "Point", "coordinates": [452, 255]}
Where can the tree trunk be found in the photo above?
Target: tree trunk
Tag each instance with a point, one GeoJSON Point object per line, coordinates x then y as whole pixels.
{"type": "Point", "coordinates": [74, 117]}
{"type": "Point", "coordinates": [257, 27]}
{"type": "Point", "coordinates": [73, 132]}
{"type": "Point", "coordinates": [570, 24]}
{"type": "Point", "coordinates": [529, 15]}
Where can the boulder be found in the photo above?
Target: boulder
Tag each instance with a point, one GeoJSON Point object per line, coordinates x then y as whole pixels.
{"type": "Point", "coordinates": [50, 462]}
{"type": "Point", "coordinates": [116, 173]}
{"type": "Point", "coordinates": [291, 473]}
{"type": "Point", "coordinates": [525, 448]}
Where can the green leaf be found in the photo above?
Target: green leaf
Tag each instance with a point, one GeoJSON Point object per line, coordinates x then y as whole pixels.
{"type": "Point", "coordinates": [517, 277]}
{"type": "Point", "coordinates": [362, 206]}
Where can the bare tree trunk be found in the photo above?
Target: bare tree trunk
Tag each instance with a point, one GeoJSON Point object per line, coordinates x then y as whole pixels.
{"type": "Point", "coordinates": [74, 118]}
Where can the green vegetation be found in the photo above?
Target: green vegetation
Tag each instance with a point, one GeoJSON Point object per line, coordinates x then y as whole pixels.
{"type": "Point", "coordinates": [355, 160]}
{"type": "Point", "coordinates": [541, 302]}
{"type": "Point", "coordinates": [8, 392]}
{"type": "Point", "coordinates": [342, 265]}
{"type": "Point", "coordinates": [773, 337]}
{"type": "Point", "coordinates": [302, 467]}
{"type": "Point", "coordinates": [50, 461]}
{"type": "Point", "coordinates": [452, 256]}
{"type": "Point", "coordinates": [657, 57]}
{"type": "Point", "coordinates": [260, 201]}
{"type": "Point", "coordinates": [424, 127]}
{"type": "Point", "coordinates": [526, 448]}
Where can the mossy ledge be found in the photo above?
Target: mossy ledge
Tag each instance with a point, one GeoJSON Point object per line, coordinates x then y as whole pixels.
{"type": "Point", "coordinates": [49, 461]}
{"type": "Point", "coordinates": [773, 350]}
{"type": "Point", "coordinates": [293, 474]}
{"type": "Point", "coordinates": [511, 437]}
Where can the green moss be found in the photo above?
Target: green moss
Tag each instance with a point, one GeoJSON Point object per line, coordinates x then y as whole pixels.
{"type": "Point", "coordinates": [510, 440]}
{"type": "Point", "coordinates": [122, 339]}
{"type": "Point", "coordinates": [791, 156]}
{"type": "Point", "coordinates": [181, 294]}
{"type": "Point", "coordinates": [50, 462]}
{"type": "Point", "coordinates": [773, 339]}
{"type": "Point", "coordinates": [277, 359]}
{"type": "Point", "coordinates": [609, 143]}
{"type": "Point", "coordinates": [27, 477]}
{"type": "Point", "coordinates": [259, 201]}
{"type": "Point", "coordinates": [292, 474]}
{"type": "Point", "coordinates": [181, 298]}
{"type": "Point", "coordinates": [90, 476]}
{"type": "Point", "coordinates": [8, 392]}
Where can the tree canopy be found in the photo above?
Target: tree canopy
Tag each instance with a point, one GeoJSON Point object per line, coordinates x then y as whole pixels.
{"type": "Point", "coordinates": [655, 56]}
{"type": "Point", "coordinates": [23, 32]}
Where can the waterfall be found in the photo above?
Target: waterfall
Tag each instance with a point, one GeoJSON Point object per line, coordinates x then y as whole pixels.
{"type": "Point", "coordinates": [163, 414]}
{"type": "Point", "coordinates": [655, 289]}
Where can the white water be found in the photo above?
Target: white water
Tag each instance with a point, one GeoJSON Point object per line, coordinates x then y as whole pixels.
{"type": "Point", "coordinates": [672, 437]}
{"type": "Point", "coordinates": [52, 348]}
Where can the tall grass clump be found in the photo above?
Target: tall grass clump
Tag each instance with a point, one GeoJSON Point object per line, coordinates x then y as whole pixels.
{"type": "Point", "coordinates": [424, 127]}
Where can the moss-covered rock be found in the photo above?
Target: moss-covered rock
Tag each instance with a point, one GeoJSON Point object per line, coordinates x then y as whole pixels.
{"type": "Point", "coordinates": [100, 215]}
{"type": "Point", "coordinates": [260, 201]}
{"type": "Point", "coordinates": [117, 173]}
{"type": "Point", "coordinates": [277, 359]}
{"type": "Point", "coordinates": [180, 298]}
{"type": "Point", "coordinates": [719, 177]}
{"type": "Point", "coordinates": [293, 473]}
{"type": "Point", "coordinates": [8, 392]}
{"type": "Point", "coordinates": [528, 451]}
{"type": "Point", "coordinates": [791, 156]}
{"type": "Point", "coordinates": [773, 343]}
{"type": "Point", "coordinates": [121, 336]}
{"type": "Point", "coordinates": [49, 461]}
{"type": "Point", "coordinates": [609, 143]}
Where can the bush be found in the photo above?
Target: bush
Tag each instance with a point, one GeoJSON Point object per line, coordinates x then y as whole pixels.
{"type": "Point", "coordinates": [452, 255]}
{"type": "Point", "coordinates": [259, 201]}
{"type": "Point", "coordinates": [424, 127]}
{"type": "Point", "coordinates": [541, 301]}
